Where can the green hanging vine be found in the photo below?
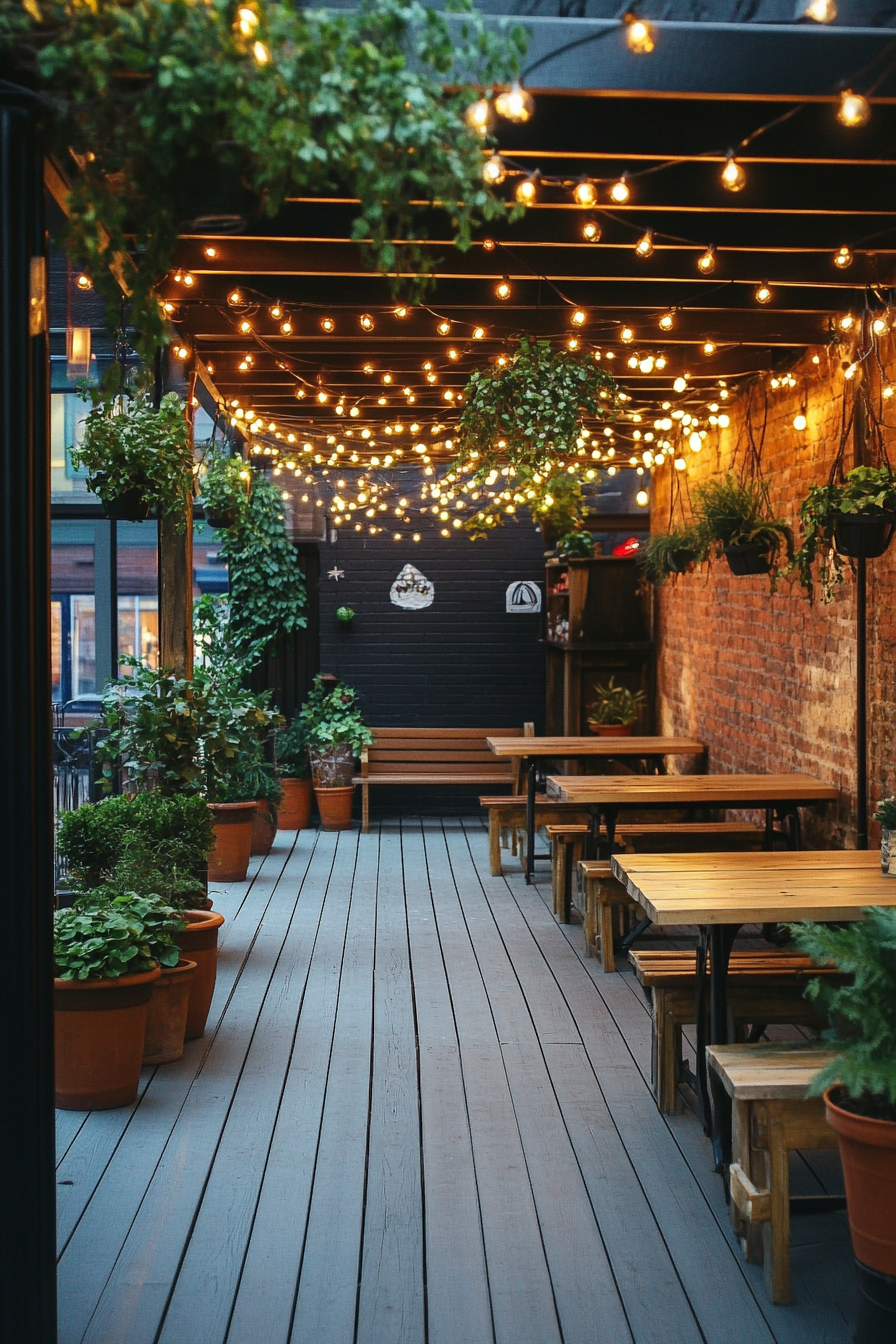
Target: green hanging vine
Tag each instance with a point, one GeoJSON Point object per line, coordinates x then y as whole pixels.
{"type": "Point", "coordinates": [267, 589]}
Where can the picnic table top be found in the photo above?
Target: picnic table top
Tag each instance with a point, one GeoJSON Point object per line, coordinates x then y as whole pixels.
{"type": "Point", "coordinates": [763, 888]}
{"type": "Point", "coordinates": [596, 746]}
{"type": "Point", "coordinates": [686, 790]}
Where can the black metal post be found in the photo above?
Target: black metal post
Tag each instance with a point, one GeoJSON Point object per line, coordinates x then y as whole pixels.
{"type": "Point", "coordinates": [27, 1257]}
{"type": "Point", "coordinates": [105, 591]}
{"type": "Point", "coordinates": [861, 704]}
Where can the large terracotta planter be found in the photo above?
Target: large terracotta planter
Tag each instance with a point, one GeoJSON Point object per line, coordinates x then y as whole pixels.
{"type": "Point", "coordinates": [868, 1153]}
{"type": "Point", "coordinates": [229, 860]}
{"type": "Point", "coordinates": [264, 828]}
{"type": "Point", "coordinates": [294, 812]}
{"type": "Point", "coordinates": [611, 729]}
{"type": "Point", "coordinates": [335, 807]}
{"type": "Point", "coordinates": [166, 1016]}
{"type": "Point", "coordinates": [199, 942]}
{"type": "Point", "coordinates": [99, 1028]}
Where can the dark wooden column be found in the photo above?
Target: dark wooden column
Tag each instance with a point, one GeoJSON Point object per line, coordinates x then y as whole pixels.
{"type": "Point", "coordinates": [176, 583]}
{"type": "Point", "coordinates": [27, 1258]}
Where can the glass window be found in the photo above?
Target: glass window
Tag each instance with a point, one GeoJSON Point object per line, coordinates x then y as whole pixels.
{"type": "Point", "coordinates": [56, 647]}
{"type": "Point", "coordinates": [138, 629]}
{"type": "Point", "coordinates": [83, 642]}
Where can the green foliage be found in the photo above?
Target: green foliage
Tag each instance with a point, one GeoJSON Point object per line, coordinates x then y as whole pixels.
{"type": "Point", "coordinates": [331, 718]}
{"type": "Point", "coordinates": [615, 704]}
{"type": "Point", "coordinates": [576, 545]}
{"type": "Point", "coordinates": [224, 656]}
{"type": "Point", "coordinates": [267, 590]}
{"type": "Point", "coordinates": [291, 750]}
{"type": "Point", "coordinates": [729, 512]}
{"type": "Point", "coordinates": [863, 1012]}
{"type": "Point", "coordinates": [557, 503]}
{"type": "Point", "coordinates": [169, 115]}
{"type": "Point", "coordinates": [128, 445]}
{"type": "Point", "coordinates": [103, 939]}
{"type": "Point", "coordinates": [176, 833]}
{"type": "Point", "coordinates": [885, 813]}
{"type": "Point", "coordinates": [681, 546]}
{"type": "Point", "coordinates": [345, 615]}
{"type": "Point", "coordinates": [865, 490]}
{"type": "Point", "coordinates": [534, 406]}
{"type": "Point", "coordinates": [224, 484]}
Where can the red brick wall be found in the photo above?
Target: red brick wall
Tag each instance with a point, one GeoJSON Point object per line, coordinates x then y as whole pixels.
{"type": "Point", "coordinates": [768, 680]}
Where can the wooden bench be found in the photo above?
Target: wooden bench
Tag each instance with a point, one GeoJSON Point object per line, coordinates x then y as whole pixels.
{"type": "Point", "coordinates": [605, 906]}
{"type": "Point", "coordinates": [507, 821]}
{"type": "Point", "coordinates": [772, 1116]}
{"type": "Point", "coordinates": [437, 757]}
{"type": "Point", "coordinates": [689, 837]}
{"type": "Point", "coordinates": [567, 841]}
{"type": "Point", "coordinates": [763, 987]}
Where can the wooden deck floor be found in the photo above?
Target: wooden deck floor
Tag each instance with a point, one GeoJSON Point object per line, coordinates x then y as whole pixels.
{"type": "Point", "coordinates": [418, 1117]}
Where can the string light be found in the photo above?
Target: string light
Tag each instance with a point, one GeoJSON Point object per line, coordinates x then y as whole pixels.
{"type": "Point", "coordinates": [667, 321]}
{"type": "Point", "coordinates": [327, 324]}
{"type": "Point", "coordinates": [706, 262]}
{"type": "Point", "coordinates": [822, 11]}
{"type": "Point", "coordinates": [709, 348]}
{"type": "Point", "coordinates": [276, 311]}
{"type": "Point", "coordinates": [733, 176]}
{"type": "Point", "coordinates": [493, 173]}
{"type": "Point", "coordinates": [245, 327]}
{"type": "Point", "coordinates": [286, 327]}
{"type": "Point", "coordinates": [527, 190]}
{"type": "Point", "coordinates": [847, 322]}
{"type": "Point", "coordinates": [210, 252]}
{"type": "Point", "coordinates": [879, 326]}
{"type": "Point", "coordinates": [515, 104]}
{"type": "Point", "coordinates": [234, 298]}
{"type": "Point", "coordinates": [680, 384]}
{"type": "Point", "coordinates": [620, 191]}
{"type": "Point", "coordinates": [401, 311]}
{"type": "Point", "coordinates": [639, 35]}
{"type": "Point", "coordinates": [443, 328]}
{"type": "Point", "coordinates": [579, 318]}
{"type": "Point", "coordinates": [585, 193]}
{"type": "Point", "coordinates": [763, 294]}
{"type": "Point", "coordinates": [478, 333]}
{"type": "Point", "coordinates": [181, 351]}
{"type": "Point", "coordinates": [261, 53]}
{"type": "Point", "coordinates": [854, 110]}
{"type": "Point", "coordinates": [843, 258]}
{"type": "Point", "coordinates": [502, 290]}
{"type": "Point", "coordinates": [366, 322]}
{"type": "Point", "coordinates": [478, 115]}
{"type": "Point", "coordinates": [626, 335]}
{"type": "Point", "coordinates": [591, 231]}
{"type": "Point", "coordinates": [246, 20]}
{"type": "Point", "coordinates": [644, 245]}
{"type": "Point", "coordinates": [800, 421]}
{"type": "Point", "coordinates": [488, 244]}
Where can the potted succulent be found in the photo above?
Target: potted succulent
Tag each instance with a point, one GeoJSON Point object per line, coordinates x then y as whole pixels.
{"type": "Point", "coordinates": [139, 460]}
{"type": "Point", "coordinates": [860, 1096]}
{"type": "Point", "coordinates": [294, 772]}
{"type": "Point", "coordinates": [335, 734]}
{"type": "Point", "coordinates": [672, 552]}
{"type": "Point", "coordinates": [734, 518]}
{"type": "Point", "coordinates": [614, 710]}
{"type": "Point", "coordinates": [853, 519]}
{"type": "Point", "coordinates": [885, 815]}
{"type": "Point", "coordinates": [224, 483]}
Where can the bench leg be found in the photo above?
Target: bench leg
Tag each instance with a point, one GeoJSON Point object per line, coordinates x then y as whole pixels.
{"type": "Point", "coordinates": [749, 1232]}
{"type": "Point", "coordinates": [665, 1053]}
{"type": "Point", "coordinates": [776, 1232]}
{"type": "Point", "coordinates": [365, 808]}
{"type": "Point", "coordinates": [607, 959]}
{"type": "Point", "coordinates": [494, 844]}
{"type": "Point", "coordinates": [591, 930]}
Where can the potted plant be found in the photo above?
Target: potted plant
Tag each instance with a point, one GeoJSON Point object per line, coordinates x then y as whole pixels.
{"type": "Point", "coordinates": [853, 519]}
{"type": "Point", "coordinates": [294, 772]}
{"type": "Point", "coordinates": [576, 546]}
{"type": "Point", "coordinates": [860, 1095]}
{"type": "Point", "coordinates": [261, 778]}
{"type": "Point", "coordinates": [735, 518]}
{"type": "Point", "coordinates": [885, 815]}
{"type": "Point", "coordinates": [614, 710]}
{"type": "Point", "coordinates": [335, 734]}
{"type": "Point", "coordinates": [345, 616]}
{"type": "Point", "coordinates": [224, 483]}
{"type": "Point", "coordinates": [176, 831]}
{"type": "Point", "coordinates": [668, 553]}
{"type": "Point", "coordinates": [139, 460]}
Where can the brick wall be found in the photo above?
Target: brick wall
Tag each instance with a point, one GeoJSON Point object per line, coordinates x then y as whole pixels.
{"type": "Point", "coordinates": [768, 680]}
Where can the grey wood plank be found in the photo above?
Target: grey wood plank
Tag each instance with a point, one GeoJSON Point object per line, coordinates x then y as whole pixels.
{"type": "Point", "coordinates": [210, 1269]}
{"type": "Point", "coordinates": [68, 1124]}
{"type": "Point", "coordinates": [452, 1217]}
{"type": "Point", "coordinates": [326, 1301]}
{"type": "Point", "coordinates": [274, 1252]}
{"type": "Point", "coordinates": [144, 1206]}
{"type": "Point", "coordinates": [391, 1296]}
{"type": "Point", "coordinates": [523, 1309]}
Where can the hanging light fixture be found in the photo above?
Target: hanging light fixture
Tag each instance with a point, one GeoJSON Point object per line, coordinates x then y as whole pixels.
{"type": "Point", "coordinates": [638, 35]}
{"type": "Point", "coordinates": [644, 245]}
{"type": "Point", "coordinates": [515, 104]}
{"type": "Point", "coordinates": [706, 262]}
{"type": "Point", "coordinates": [527, 190]}
{"type": "Point", "coordinates": [493, 171]}
{"type": "Point", "coordinates": [585, 193]}
{"type": "Point", "coordinates": [763, 294]}
{"type": "Point", "coordinates": [667, 321]}
{"type": "Point", "coordinates": [733, 176]}
{"type": "Point", "coordinates": [854, 110]}
{"type": "Point", "coordinates": [591, 231]}
{"type": "Point", "coordinates": [621, 191]}
{"type": "Point", "coordinates": [843, 258]}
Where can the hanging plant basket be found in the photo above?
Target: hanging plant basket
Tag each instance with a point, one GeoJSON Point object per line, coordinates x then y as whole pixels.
{"type": "Point", "coordinates": [750, 558]}
{"type": "Point", "coordinates": [679, 562]}
{"type": "Point", "coordinates": [221, 519]}
{"type": "Point", "coordinates": [130, 507]}
{"type": "Point", "coordinates": [864, 536]}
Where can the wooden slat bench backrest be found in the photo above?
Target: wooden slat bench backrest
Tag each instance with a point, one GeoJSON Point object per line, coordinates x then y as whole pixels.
{"type": "Point", "coordinates": [436, 751]}
{"type": "Point", "coordinates": [670, 966]}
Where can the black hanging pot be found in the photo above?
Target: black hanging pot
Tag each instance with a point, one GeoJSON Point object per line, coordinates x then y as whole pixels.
{"type": "Point", "coordinates": [750, 558]}
{"type": "Point", "coordinates": [221, 519]}
{"type": "Point", "coordinates": [864, 536]}
{"type": "Point", "coordinates": [129, 507]}
{"type": "Point", "coordinates": [679, 562]}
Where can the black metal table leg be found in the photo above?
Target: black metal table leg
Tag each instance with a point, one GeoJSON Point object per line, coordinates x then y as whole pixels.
{"type": "Point", "coordinates": [769, 842]}
{"type": "Point", "coordinates": [530, 819]}
{"type": "Point", "coordinates": [610, 815]}
{"type": "Point", "coordinates": [700, 1009]}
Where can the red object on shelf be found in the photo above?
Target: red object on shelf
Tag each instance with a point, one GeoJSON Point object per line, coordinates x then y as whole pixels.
{"type": "Point", "coordinates": [627, 547]}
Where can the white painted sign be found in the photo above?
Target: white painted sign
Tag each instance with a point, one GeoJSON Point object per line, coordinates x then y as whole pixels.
{"type": "Point", "coordinates": [523, 597]}
{"type": "Point", "coordinates": [412, 590]}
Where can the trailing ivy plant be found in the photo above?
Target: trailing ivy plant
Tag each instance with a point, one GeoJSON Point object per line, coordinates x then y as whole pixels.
{"type": "Point", "coordinates": [555, 502]}
{"type": "Point", "coordinates": [178, 109]}
{"type": "Point", "coordinates": [129, 445]}
{"type": "Point", "coordinates": [267, 589]}
{"type": "Point", "coordinates": [864, 490]}
{"type": "Point", "coordinates": [223, 483]}
{"type": "Point", "coordinates": [529, 412]}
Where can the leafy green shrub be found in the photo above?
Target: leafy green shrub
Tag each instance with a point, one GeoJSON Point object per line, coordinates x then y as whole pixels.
{"type": "Point", "coordinates": [345, 615]}
{"type": "Point", "coordinates": [885, 813]}
{"type": "Point", "coordinates": [865, 490]}
{"type": "Point", "coordinates": [224, 483]}
{"type": "Point", "coordinates": [107, 939]}
{"type": "Point", "coordinates": [331, 718]}
{"type": "Point", "coordinates": [291, 750]}
{"type": "Point", "coordinates": [576, 545]}
{"type": "Point", "coordinates": [177, 832]}
{"type": "Point", "coordinates": [267, 589]}
{"type": "Point", "coordinates": [128, 445]}
{"type": "Point", "coordinates": [863, 1012]}
{"type": "Point", "coordinates": [615, 704]}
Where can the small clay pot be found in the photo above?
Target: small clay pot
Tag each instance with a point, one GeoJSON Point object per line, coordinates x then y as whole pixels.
{"type": "Point", "coordinates": [229, 860]}
{"type": "Point", "coordinates": [166, 1015]}
{"type": "Point", "coordinates": [294, 812]}
{"type": "Point", "coordinates": [868, 1154]}
{"type": "Point", "coordinates": [198, 942]}
{"type": "Point", "coordinates": [264, 828]}
{"type": "Point", "coordinates": [335, 807]}
{"type": "Point", "coordinates": [100, 1027]}
{"type": "Point", "coordinates": [611, 729]}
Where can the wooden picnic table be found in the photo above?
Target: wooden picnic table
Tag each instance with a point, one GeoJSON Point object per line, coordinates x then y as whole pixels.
{"type": "Point", "coordinates": [651, 749]}
{"type": "Point", "coordinates": [720, 893]}
{"type": "Point", "coordinates": [607, 794]}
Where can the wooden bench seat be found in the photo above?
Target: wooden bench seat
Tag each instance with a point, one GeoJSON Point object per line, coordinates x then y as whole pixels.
{"type": "Point", "coordinates": [507, 820]}
{"type": "Point", "coordinates": [605, 906]}
{"type": "Point", "coordinates": [435, 757]}
{"type": "Point", "coordinates": [566, 841]}
{"type": "Point", "coordinates": [772, 1115]}
{"type": "Point", "coordinates": [764, 986]}
{"type": "Point", "coordinates": [689, 837]}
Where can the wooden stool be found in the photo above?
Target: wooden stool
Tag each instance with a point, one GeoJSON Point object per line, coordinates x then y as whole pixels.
{"type": "Point", "coordinates": [507, 821]}
{"type": "Point", "coordinates": [772, 1115]}
{"type": "Point", "coordinates": [567, 843]}
{"type": "Point", "coordinates": [605, 905]}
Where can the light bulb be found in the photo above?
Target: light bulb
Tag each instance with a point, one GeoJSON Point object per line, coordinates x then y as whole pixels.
{"type": "Point", "coordinates": [478, 333]}
{"type": "Point", "coordinates": [488, 244]}
{"type": "Point", "coordinates": [591, 231]}
{"type": "Point", "coordinates": [387, 378]}
{"type": "Point", "coordinates": [800, 421]}
{"type": "Point", "coordinates": [733, 176]}
{"type": "Point", "coordinates": [300, 394]}
{"type": "Point", "coordinates": [709, 348]}
{"type": "Point", "coordinates": [579, 318]}
{"type": "Point", "coordinates": [502, 290]}
{"type": "Point", "coordinates": [843, 258]}
{"type": "Point", "coordinates": [646, 364]}
{"type": "Point", "coordinates": [322, 397]}
{"type": "Point", "coordinates": [639, 35]}
{"type": "Point", "coordinates": [822, 11]}
{"type": "Point", "coordinates": [515, 104]}
{"type": "Point", "coordinates": [888, 391]}
{"type": "Point", "coordinates": [585, 193]}
{"type": "Point", "coordinates": [642, 498]}
{"type": "Point", "coordinates": [661, 361]}
{"type": "Point", "coordinates": [181, 351]}
{"type": "Point", "coordinates": [626, 335]}
{"type": "Point", "coordinates": [477, 115]}
{"type": "Point", "coordinates": [247, 20]}
{"type": "Point", "coordinates": [286, 327]}
{"type": "Point", "coordinates": [261, 53]}
{"type": "Point", "coordinates": [667, 321]}
{"type": "Point", "coordinates": [847, 322]}
{"type": "Point", "coordinates": [234, 298]}
{"type": "Point", "coordinates": [850, 370]}
{"type": "Point", "coordinates": [620, 191]}
{"type": "Point", "coordinates": [493, 172]}
{"type": "Point", "coordinates": [644, 245]}
{"type": "Point", "coordinates": [706, 262]}
{"type": "Point", "coordinates": [763, 294]}
{"type": "Point", "coordinates": [366, 322]}
{"type": "Point", "coordinates": [879, 326]}
{"type": "Point", "coordinates": [276, 311]}
{"type": "Point", "coordinates": [245, 327]}
{"type": "Point", "coordinates": [854, 110]}
{"type": "Point", "coordinates": [527, 190]}
{"type": "Point", "coordinates": [680, 385]}
{"type": "Point", "coordinates": [695, 443]}
{"type": "Point", "coordinates": [680, 464]}
{"type": "Point", "coordinates": [327, 324]}
{"type": "Point", "coordinates": [210, 252]}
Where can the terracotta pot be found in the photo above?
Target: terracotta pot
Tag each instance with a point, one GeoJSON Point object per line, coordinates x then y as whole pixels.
{"type": "Point", "coordinates": [99, 1027]}
{"type": "Point", "coordinates": [264, 828]}
{"type": "Point", "coordinates": [335, 807]}
{"type": "Point", "coordinates": [868, 1153]}
{"type": "Point", "coordinates": [199, 942]}
{"type": "Point", "coordinates": [611, 729]}
{"type": "Point", "coordinates": [229, 860]}
{"type": "Point", "coordinates": [166, 1016]}
{"type": "Point", "coordinates": [294, 812]}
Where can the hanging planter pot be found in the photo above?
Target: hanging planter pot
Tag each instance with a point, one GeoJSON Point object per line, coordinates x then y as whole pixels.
{"type": "Point", "coordinates": [750, 558]}
{"type": "Point", "coordinates": [221, 519]}
{"type": "Point", "coordinates": [129, 507]}
{"type": "Point", "coordinates": [863, 536]}
{"type": "Point", "coordinates": [679, 562]}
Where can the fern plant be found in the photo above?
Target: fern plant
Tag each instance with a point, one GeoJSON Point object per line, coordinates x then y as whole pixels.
{"type": "Point", "coordinates": [668, 552]}
{"type": "Point", "coordinates": [729, 512]}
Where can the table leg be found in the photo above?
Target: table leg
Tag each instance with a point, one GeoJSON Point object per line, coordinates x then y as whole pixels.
{"type": "Point", "coordinates": [721, 940]}
{"type": "Point", "coordinates": [700, 1009]}
{"type": "Point", "coordinates": [769, 842]}
{"type": "Point", "coordinates": [530, 818]}
{"type": "Point", "coordinates": [610, 816]}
